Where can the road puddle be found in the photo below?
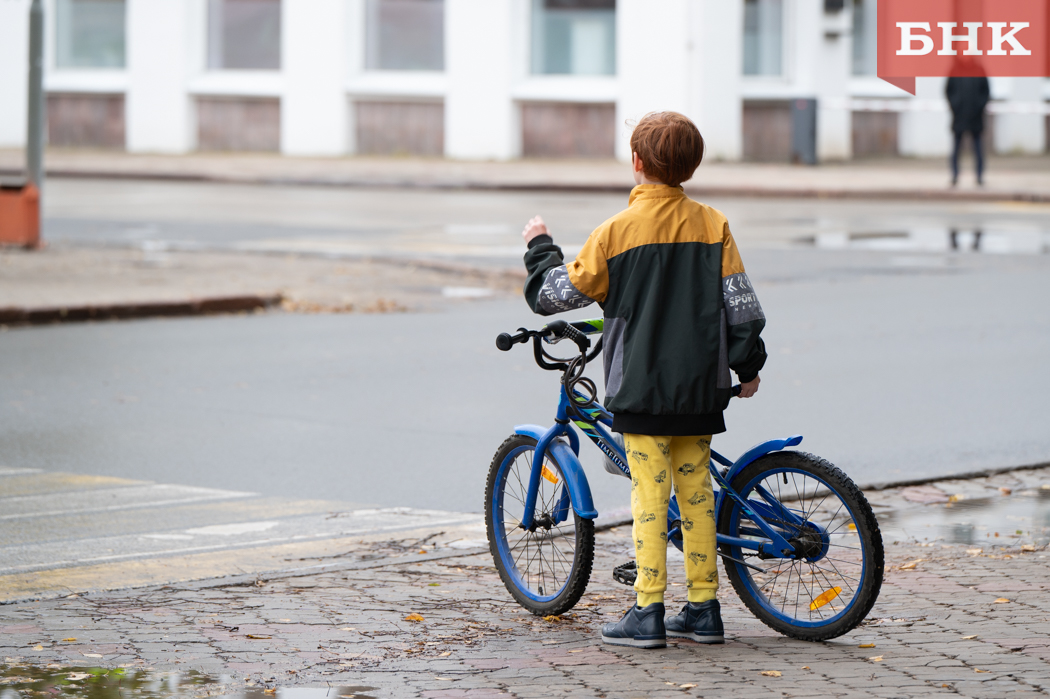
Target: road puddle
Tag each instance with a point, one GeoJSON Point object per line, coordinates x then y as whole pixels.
{"type": "Point", "coordinates": [24, 681]}
{"type": "Point", "coordinates": [938, 239]}
{"type": "Point", "coordinates": [1010, 511]}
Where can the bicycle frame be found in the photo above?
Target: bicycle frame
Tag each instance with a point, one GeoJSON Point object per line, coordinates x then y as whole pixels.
{"type": "Point", "coordinates": [578, 494]}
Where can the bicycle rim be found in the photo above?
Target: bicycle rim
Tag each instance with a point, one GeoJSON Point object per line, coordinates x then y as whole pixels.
{"type": "Point", "coordinates": [540, 563]}
{"type": "Point", "coordinates": [822, 586]}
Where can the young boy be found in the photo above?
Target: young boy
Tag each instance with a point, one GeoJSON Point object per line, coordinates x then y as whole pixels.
{"type": "Point", "coordinates": [679, 314]}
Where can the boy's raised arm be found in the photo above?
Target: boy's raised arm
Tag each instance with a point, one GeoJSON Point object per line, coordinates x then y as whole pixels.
{"type": "Point", "coordinates": [550, 288]}
{"type": "Point", "coordinates": [744, 316]}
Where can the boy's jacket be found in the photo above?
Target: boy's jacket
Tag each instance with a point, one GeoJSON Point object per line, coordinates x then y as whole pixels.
{"type": "Point", "coordinates": [679, 310]}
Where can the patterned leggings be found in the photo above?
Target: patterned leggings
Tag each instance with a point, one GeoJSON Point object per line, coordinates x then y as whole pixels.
{"type": "Point", "coordinates": [657, 463]}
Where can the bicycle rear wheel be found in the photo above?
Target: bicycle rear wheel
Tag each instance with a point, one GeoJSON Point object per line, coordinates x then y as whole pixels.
{"type": "Point", "coordinates": [831, 582]}
{"type": "Point", "coordinates": [547, 569]}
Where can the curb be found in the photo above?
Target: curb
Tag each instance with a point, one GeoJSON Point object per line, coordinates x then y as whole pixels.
{"type": "Point", "coordinates": [578, 188]}
{"type": "Point", "coordinates": [127, 311]}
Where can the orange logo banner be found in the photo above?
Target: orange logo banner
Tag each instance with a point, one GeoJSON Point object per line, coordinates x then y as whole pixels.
{"type": "Point", "coordinates": [938, 38]}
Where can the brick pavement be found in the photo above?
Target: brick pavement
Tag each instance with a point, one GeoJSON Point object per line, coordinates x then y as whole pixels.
{"type": "Point", "coordinates": [940, 627]}
{"type": "Point", "coordinates": [1013, 177]}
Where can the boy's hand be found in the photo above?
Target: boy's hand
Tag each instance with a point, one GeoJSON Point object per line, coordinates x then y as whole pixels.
{"type": "Point", "coordinates": [750, 388]}
{"type": "Point", "coordinates": [533, 228]}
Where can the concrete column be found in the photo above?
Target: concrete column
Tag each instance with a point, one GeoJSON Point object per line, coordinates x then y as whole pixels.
{"type": "Point", "coordinates": [834, 60]}
{"type": "Point", "coordinates": [715, 46]}
{"type": "Point", "coordinates": [927, 133]}
{"type": "Point", "coordinates": [14, 55]}
{"type": "Point", "coordinates": [1021, 133]}
{"type": "Point", "coordinates": [159, 113]}
{"type": "Point", "coordinates": [314, 110]}
{"type": "Point", "coordinates": [482, 122]}
{"type": "Point", "coordinates": [651, 79]}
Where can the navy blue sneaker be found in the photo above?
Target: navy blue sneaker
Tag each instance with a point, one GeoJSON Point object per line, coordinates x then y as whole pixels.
{"type": "Point", "coordinates": [640, 627]}
{"type": "Point", "coordinates": [699, 621]}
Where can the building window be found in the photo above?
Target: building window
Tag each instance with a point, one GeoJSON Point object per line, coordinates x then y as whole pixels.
{"type": "Point", "coordinates": [574, 37]}
{"type": "Point", "coordinates": [244, 34]}
{"type": "Point", "coordinates": [865, 38]}
{"type": "Point", "coordinates": [89, 34]}
{"type": "Point", "coordinates": [405, 35]}
{"type": "Point", "coordinates": [763, 37]}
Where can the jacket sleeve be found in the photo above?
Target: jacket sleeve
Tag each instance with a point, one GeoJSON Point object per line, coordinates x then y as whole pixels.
{"type": "Point", "coordinates": [548, 289]}
{"type": "Point", "coordinates": [743, 313]}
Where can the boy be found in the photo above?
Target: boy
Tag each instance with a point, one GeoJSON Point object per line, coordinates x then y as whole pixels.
{"type": "Point", "coordinates": [679, 314]}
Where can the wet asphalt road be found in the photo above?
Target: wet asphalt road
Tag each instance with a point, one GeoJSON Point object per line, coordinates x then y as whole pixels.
{"type": "Point", "coordinates": [896, 356]}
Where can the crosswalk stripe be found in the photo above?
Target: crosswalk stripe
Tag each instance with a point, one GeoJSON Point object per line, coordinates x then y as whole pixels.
{"type": "Point", "coordinates": [109, 499]}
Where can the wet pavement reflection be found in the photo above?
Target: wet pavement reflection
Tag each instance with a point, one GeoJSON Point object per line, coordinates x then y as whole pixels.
{"type": "Point", "coordinates": [1010, 510]}
{"type": "Point", "coordinates": [24, 681]}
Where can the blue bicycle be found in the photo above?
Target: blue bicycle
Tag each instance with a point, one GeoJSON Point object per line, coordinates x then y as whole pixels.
{"type": "Point", "coordinates": [798, 539]}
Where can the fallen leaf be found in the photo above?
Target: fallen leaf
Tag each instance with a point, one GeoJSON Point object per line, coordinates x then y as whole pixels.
{"type": "Point", "coordinates": [576, 650]}
{"type": "Point", "coordinates": [911, 564]}
{"type": "Point", "coordinates": [866, 645]}
{"type": "Point", "coordinates": [68, 640]}
{"type": "Point", "coordinates": [975, 552]}
{"type": "Point", "coordinates": [445, 654]}
{"type": "Point", "coordinates": [672, 684]}
{"type": "Point", "coordinates": [414, 617]}
{"type": "Point", "coordinates": [977, 669]}
{"type": "Point", "coordinates": [77, 676]}
{"type": "Point", "coordinates": [38, 648]}
{"type": "Point", "coordinates": [269, 691]}
{"type": "Point", "coordinates": [1027, 547]}
{"type": "Point", "coordinates": [552, 618]}
{"type": "Point", "coordinates": [92, 655]}
{"type": "Point", "coordinates": [805, 667]}
{"type": "Point", "coordinates": [1001, 600]}
{"type": "Point", "coordinates": [876, 659]}
{"type": "Point", "coordinates": [422, 550]}
{"type": "Point", "coordinates": [434, 585]}
{"type": "Point", "coordinates": [348, 628]}
{"type": "Point", "coordinates": [686, 686]}
{"type": "Point", "coordinates": [771, 673]}
{"type": "Point", "coordinates": [259, 637]}
{"type": "Point", "coordinates": [1005, 491]}
{"type": "Point", "coordinates": [446, 679]}
{"type": "Point", "coordinates": [957, 497]}
{"type": "Point", "coordinates": [969, 638]}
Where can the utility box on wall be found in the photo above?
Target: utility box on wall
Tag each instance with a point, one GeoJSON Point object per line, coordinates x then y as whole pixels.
{"type": "Point", "coordinates": [804, 131]}
{"type": "Point", "coordinates": [20, 215]}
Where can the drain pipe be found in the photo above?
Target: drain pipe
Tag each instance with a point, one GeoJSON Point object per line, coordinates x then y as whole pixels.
{"type": "Point", "coordinates": [35, 135]}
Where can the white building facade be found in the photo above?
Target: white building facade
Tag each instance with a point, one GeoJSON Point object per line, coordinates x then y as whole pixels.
{"type": "Point", "coordinates": [480, 79]}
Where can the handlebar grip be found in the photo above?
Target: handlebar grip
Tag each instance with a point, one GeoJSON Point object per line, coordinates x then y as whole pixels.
{"type": "Point", "coordinates": [504, 341]}
{"type": "Point", "coordinates": [565, 330]}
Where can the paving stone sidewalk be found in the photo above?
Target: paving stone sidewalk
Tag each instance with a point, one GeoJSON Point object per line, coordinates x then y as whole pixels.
{"type": "Point", "coordinates": [952, 619]}
{"type": "Point", "coordinates": [1008, 177]}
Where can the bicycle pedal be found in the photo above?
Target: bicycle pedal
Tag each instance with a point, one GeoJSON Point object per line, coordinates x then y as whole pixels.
{"type": "Point", "coordinates": [626, 574]}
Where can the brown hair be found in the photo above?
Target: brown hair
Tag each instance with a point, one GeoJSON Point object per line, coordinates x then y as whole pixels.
{"type": "Point", "coordinates": [669, 145]}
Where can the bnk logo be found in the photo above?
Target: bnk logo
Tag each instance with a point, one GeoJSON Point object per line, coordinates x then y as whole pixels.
{"type": "Point", "coordinates": [936, 38]}
{"type": "Point", "coordinates": [1000, 38]}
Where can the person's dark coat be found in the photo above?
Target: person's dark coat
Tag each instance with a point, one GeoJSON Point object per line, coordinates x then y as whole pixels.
{"type": "Point", "coordinates": [968, 97]}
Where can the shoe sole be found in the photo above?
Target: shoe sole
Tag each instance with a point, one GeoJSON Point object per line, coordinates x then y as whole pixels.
{"type": "Point", "coordinates": [712, 640]}
{"type": "Point", "coordinates": [635, 642]}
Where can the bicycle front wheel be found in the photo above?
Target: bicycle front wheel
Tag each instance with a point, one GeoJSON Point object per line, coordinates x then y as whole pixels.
{"type": "Point", "coordinates": [545, 568]}
{"type": "Point", "coordinates": [828, 586]}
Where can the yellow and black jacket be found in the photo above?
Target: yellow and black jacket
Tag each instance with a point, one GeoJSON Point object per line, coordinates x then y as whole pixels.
{"type": "Point", "coordinates": [679, 310]}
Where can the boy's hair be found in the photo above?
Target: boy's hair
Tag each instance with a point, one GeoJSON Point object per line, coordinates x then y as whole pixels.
{"type": "Point", "coordinates": [669, 145]}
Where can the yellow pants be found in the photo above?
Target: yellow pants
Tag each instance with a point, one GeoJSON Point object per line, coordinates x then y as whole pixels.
{"type": "Point", "coordinates": [656, 464]}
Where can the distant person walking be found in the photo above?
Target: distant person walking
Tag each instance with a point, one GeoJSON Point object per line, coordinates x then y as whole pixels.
{"type": "Point", "coordinates": [968, 98]}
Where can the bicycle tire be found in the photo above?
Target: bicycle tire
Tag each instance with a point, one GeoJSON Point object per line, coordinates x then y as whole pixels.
{"type": "Point", "coordinates": [866, 561]}
{"type": "Point", "coordinates": [530, 589]}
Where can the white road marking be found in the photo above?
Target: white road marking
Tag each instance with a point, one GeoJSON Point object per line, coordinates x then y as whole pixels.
{"type": "Point", "coordinates": [109, 499]}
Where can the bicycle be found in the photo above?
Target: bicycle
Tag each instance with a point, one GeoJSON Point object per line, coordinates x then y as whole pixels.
{"type": "Point", "coordinates": [805, 556]}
